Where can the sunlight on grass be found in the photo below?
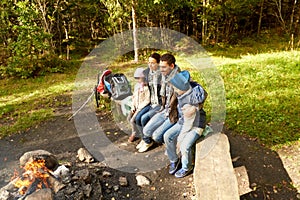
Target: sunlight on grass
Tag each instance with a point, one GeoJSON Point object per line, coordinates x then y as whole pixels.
{"type": "Point", "coordinates": [263, 96]}
{"type": "Point", "coordinates": [24, 103]}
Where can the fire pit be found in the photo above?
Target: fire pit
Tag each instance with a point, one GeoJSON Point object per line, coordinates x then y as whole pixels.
{"type": "Point", "coordinates": [43, 178]}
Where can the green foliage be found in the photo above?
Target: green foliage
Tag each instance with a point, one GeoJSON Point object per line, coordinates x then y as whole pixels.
{"type": "Point", "coordinates": [31, 43]}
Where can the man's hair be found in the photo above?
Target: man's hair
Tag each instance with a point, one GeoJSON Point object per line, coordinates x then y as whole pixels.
{"type": "Point", "coordinates": [169, 58]}
{"type": "Point", "coordinates": [156, 56]}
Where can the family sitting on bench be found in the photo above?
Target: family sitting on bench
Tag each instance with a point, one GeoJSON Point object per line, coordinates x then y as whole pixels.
{"type": "Point", "coordinates": [167, 107]}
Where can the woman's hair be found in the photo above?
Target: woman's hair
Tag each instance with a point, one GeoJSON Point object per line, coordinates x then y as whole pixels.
{"type": "Point", "coordinates": [156, 56]}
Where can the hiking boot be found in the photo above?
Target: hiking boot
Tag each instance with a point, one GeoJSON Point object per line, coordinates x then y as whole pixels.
{"type": "Point", "coordinates": [174, 167]}
{"type": "Point", "coordinates": [140, 144]}
{"type": "Point", "coordinates": [182, 173]}
{"type": "Point", "coordinates": [131, 138]}
{"type": "Point", "coordinates": [145, 147]}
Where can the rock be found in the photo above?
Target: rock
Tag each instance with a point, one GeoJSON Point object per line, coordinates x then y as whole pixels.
{"type": "Point", "coordinates": [84, 175]}
{"type": "Point", "coordinates": [116, 188]}
{"type": "Point", "coordinates": [45, 194]}
{"type": "Point", "coordinates": [61, 171]}
{"type": "Point", "coordinates": [70, 190]}
{"type": "Point", "coordinates": [106, 174]}
{"type": "Point", "coordinates": [50, 160]}
{"type": "Point", "coordinates": [84, 156]}
{"type": "Point", "coordinates": [123, 181]}
{"type": "Point", "coordinates": [142, 180]}
{"type": "Point", "coordinates": [87, 189]}
{"type": "Point", "coordinates": [55, 184]}
{"type": "Point", "coordinates": [4, 194]}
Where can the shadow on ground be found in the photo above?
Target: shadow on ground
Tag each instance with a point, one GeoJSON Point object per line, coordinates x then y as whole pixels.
{"type": "Point", "coordinates": [267, 175]}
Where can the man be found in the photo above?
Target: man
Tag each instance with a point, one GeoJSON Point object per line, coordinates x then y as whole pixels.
{"type": "Point", "coordinates": [168, 115]}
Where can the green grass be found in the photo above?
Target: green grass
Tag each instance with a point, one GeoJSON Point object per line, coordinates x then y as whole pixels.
{"type": "Point", "coordinates": [26, 102]}
{"type": "Point", "coordinates": [262, 94]}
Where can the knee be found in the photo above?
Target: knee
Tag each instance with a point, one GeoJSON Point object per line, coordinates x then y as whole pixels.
{"type": "Point", "coordinates": [158, 137]}
{"type": "Point", "coordinates": [167, 138]}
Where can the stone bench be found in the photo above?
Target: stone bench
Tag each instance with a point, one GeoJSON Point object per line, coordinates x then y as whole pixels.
{"type": "Point", "coordinates": [214, 175]}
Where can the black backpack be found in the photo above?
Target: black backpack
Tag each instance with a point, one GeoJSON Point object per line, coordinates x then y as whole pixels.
{"type": "Point", "coordinates": [120, 87]}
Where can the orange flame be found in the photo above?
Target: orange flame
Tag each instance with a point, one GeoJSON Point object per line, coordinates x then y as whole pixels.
{"type": "Point", "coordinates": [33, 170]}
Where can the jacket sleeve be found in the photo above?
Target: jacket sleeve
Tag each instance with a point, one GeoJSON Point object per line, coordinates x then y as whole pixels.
{"type": "Point", "coordinates": [144, 98]}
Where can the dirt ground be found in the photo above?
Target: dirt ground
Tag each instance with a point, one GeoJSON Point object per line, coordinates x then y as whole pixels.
{"type": "Point", "coordinates": [272, 175]}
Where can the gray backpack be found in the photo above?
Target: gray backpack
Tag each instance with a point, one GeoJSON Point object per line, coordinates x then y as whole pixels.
{"type": "Point", "coordinates": [120, 87]}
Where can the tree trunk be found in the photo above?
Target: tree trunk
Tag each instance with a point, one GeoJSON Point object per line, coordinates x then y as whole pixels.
{"type": "Point", "coordinates": [204, 23]}
{"type": "Point", "coordinates": [260, 16]}
{"type": "Point", "coordinates": [292, 17]}
{"type": "Point", "coordinates": [134, 29]}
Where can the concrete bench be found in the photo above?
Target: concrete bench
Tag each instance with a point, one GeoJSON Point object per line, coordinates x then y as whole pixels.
{"type": "Point", "coordinates": [214, 176]}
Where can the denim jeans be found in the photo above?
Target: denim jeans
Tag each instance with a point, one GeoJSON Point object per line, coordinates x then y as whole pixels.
{"type": "Point", "coordinates": [138, 118]}
{"type": "Point", "coordinates": [158, 134]}
{"type": "Point", "coordinates": [148, 115]}
{"type": "Point", "coordinates": [170, 138]}
{"type": "Point", "coordinates": [187, 142]}
{"type": "Point", "coordinates": [157, 120]}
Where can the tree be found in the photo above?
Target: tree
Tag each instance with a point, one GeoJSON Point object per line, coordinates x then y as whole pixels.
{"type": "Point", "coordinates": [134, 31]}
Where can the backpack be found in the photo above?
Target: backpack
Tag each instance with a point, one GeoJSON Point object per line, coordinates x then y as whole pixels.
{"type": "Point", "coordinates": [120, 87]}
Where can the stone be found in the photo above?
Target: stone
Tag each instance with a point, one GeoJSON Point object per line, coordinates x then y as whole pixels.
{"type": "Point", "coordinates": [87, 189]}
{"type": "Point", "coordinates": [55, 184]}
{"type": "Point", "coordinates": [116, 188]}
{"type": "Point", "coordinates": [84, 175]}
{"type": "Point", "coordinates": [50, 160]}
{"type": "Point", "coordinates": [142, 180]}
{"type": "Point", "coordinates": [243, 180]}
{"type": "Point", "coordinates": [123, 181]}
{"type": "Point", "coordinates": [45, 194]}
{"type": "Point", "coordinates": [70, 190]}
{"type": "Point", "coordinates": [106, 174]}
{"type": "Point", "coordinates": [84, 156]}
{"type": "Point", "coordinates": [61, 171]}
{"type": "Point", "coordinates": [4, 194]}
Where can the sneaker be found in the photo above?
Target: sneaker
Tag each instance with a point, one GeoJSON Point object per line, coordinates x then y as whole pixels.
{"type": "Point", "coordinates": [182, 173]}
{"type": "Point", "coordinates": [145, 147]}
{"type": "Point", "coordinates": [140, 144]}
{"type": "Point", "coordinates": [174, 167]}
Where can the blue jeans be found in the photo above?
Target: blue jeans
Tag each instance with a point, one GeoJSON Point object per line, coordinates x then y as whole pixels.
{"type": "Point", "coordinates": [148, 115]}
{"type": "Point", "coordinates": [139, 116]}
{"type": "Point", "coordinates": [156, 127]}
{"type": "Point", "coordinates": [170, 138]}
{"type": "Point", "coordinates": [158, 134]}
{"type": "Point", "coordinates": [187, 142]}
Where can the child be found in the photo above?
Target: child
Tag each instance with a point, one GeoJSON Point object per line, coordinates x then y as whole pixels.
{"type": "Point", "coordinates": [140, 101]}
{"type": "Point", "coordinates": [190, 101]}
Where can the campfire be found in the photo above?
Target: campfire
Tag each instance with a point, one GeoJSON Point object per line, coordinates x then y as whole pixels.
{"type": "Point", "coordinates": [35, 177]}
{"type": "Point", "coordinates": [42, 177]}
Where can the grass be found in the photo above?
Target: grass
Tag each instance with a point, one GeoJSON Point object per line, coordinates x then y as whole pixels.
{"type": "Point", "coordinates": [26, 102]}
{"type": "Point", "coordinates": [262, 94]}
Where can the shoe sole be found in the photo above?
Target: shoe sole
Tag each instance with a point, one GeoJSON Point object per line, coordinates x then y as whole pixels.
{"type": "Point", "coordinates": [145, 149]}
